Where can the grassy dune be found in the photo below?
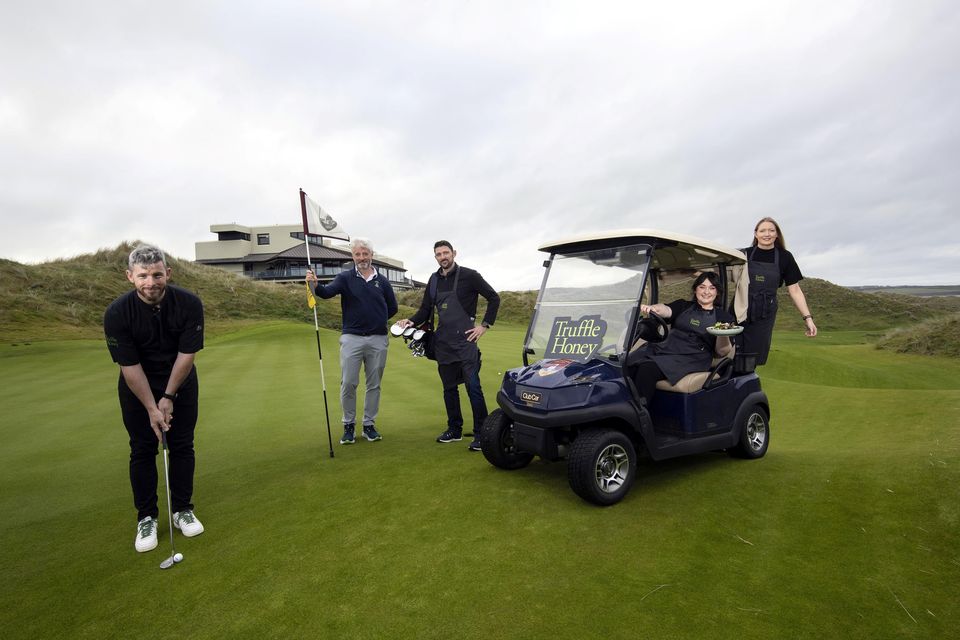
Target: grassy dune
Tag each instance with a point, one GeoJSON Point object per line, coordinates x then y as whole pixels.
{"type": "Point", "coordinates": [848, 528]}
{"type": "Point", "coordinates": [65, 299]}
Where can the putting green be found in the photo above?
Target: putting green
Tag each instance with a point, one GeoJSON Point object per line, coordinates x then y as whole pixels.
{"type": "Point", "coordinates": [849, 527]}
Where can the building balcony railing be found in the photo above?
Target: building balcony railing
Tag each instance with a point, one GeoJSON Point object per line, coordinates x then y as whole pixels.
{"type": "Point", "coordinates": [324, 274]}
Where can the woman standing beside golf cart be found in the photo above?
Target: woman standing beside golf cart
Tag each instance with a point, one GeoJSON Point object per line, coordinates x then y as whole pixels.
{"type": "Point", "coordinates": [688, 347]}
{"type": "Point", "coordinates": [769, 265]}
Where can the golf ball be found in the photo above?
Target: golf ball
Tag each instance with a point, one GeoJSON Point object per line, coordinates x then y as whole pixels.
{"type": "Point", "coordinates": [177, 557]}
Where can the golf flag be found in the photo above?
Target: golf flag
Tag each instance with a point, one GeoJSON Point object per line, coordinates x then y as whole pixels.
{"type": "Point", "coordinates": [317, 222]}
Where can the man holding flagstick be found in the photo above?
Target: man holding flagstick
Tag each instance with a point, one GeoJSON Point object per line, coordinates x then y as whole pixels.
{"type": "Point", "coordinates": [367, 301]}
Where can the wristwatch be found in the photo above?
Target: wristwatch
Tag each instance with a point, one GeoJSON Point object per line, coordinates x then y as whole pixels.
{"type": "Point", "coordinates": [485, 325]}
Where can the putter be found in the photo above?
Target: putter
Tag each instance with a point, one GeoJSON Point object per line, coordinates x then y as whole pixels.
{"type": "Point", "coordinates": [174, 556]}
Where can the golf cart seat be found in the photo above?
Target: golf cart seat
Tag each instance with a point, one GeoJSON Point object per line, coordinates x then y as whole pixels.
{"type": "Point", "coordinates": [720, 368]}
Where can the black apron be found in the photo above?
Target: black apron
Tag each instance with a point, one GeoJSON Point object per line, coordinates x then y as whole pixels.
{"type": "Point", "coordinates": [688, 347]}
{"type": "Point", "coordinates": [762, 308]}
{"type": "Point", "coordinates": [452, 322]}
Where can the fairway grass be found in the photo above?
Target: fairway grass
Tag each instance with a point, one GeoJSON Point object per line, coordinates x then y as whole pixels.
{"type": "Point", "coordinates": [848, 528]}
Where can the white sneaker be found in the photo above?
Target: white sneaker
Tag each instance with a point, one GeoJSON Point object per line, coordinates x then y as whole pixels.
{"type": "Point", "coordinates": [146, 535]}
{"type": "Point", "coordinates": [187, 523]}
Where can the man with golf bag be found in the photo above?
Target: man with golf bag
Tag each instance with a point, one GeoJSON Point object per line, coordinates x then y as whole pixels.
{"type": "Point", "coordinates": [153, 333]}
{"type": "Point", "coordinates": [452, 292]}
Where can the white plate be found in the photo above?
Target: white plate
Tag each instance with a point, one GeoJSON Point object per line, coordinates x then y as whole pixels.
{"type": "Point", "coordinates": [725, 332]}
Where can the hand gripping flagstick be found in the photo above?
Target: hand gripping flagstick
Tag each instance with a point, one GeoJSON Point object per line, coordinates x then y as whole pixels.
{"type": "Point", "coordinates": [317, 222]}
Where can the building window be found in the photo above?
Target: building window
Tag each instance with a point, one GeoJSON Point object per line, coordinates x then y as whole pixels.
{"type": "Point", "coordinates": [314, 240]}
{"type": "Point", "coordinates": [263, 238]}
{"type": "Point", "coordinates": [224, 236]}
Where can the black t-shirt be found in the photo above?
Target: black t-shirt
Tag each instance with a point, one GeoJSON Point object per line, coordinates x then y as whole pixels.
{"type": "Point", "coordinates": [470, 284]}
{"type": "Point", "coordinates": [789, 270]}
{"type": "Point", "coordinates": [152, 335]}
{"type": "Point", "coordinates": [679, 306]}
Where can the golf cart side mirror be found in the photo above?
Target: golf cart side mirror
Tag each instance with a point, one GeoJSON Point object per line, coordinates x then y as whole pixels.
{"type": "Point", "coordinates": [527, 351]}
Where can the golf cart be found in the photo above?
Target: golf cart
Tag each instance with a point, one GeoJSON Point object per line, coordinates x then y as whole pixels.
{"type": "Point", "coordinates": [575, 397]}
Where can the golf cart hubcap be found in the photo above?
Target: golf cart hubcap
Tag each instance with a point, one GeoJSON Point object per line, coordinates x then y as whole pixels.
{"type": "Point", "coordinates": [507, 443]}
{"type": "Point", "coordinates": [613, 465]}
{"type": "Point", "coordinates": [756, 431]}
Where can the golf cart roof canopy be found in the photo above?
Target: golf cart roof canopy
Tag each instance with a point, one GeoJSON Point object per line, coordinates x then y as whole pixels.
{"type": "Point", "coordinates": [670, 250]}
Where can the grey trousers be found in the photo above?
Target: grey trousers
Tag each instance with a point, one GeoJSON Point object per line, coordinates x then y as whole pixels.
{"type": "Point", "coordinates": [371, 351]}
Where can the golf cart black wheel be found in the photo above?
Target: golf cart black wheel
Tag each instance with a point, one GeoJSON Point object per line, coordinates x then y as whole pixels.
{"type": "Point", "coordinates": [498, 445]}
{"type": "Point", "coordinates": [602, 466]}
{"type": "Point", "coordinates": [754, 434]}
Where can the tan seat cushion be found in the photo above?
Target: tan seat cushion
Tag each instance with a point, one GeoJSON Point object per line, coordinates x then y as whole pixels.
{"type": "Point", "coordinates": [691, 382]}
{"type": "Point", "coordinates": [687, 384]}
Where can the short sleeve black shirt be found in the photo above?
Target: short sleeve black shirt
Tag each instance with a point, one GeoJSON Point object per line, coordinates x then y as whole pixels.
{"type": "Point", "coordinates": [153, 335]}
{"type": "Point", "coordinates": [677, 307]}
{"type": "Point", "coordinates": [789, 269]}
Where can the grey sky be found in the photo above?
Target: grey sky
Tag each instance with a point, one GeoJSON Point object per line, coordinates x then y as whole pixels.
{"type": "Point", "coordinates": [495, 125]}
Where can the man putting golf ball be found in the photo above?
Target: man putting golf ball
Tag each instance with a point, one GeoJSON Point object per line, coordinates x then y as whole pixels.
{"type": "Point", "coordinates": [154, 333]}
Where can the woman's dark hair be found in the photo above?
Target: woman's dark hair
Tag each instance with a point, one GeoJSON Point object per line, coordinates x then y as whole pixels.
{"type": "Point", "coordinates": [705, 275]}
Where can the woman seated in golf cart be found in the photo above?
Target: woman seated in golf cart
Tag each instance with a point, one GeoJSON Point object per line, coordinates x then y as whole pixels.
{"type": "Point", "coordinates": [688, 347]}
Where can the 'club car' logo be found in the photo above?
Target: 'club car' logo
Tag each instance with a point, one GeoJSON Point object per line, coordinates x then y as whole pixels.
{"type": "Point", "coordinates": [530, 397]}
{"type": "Point", "coordinates": [575, 338]}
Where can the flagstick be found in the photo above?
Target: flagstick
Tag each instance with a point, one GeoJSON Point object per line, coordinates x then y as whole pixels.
{"type": "Point", "coordinates": [323, 379]}
{"type": "Point", "coordinates": [316, 326]}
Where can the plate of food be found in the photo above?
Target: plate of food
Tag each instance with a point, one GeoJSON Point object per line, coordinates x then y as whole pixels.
{"type": "Point", "coordinates": [725, 329]}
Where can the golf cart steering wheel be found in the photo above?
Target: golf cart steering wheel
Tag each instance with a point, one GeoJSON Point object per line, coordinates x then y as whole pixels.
{"type": "Point", "coordinates": [653, 328]}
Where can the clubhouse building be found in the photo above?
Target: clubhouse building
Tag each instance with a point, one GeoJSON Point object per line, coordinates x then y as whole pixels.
{"type": "Point", "coordinates": [277, 253]}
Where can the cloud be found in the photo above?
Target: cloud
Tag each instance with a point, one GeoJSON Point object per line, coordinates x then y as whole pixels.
{"type": "Point", "coordinates": [494, 125]}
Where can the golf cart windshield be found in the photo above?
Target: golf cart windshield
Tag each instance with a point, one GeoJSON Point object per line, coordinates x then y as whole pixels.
{"type": "Point", "coordinates": [587, 302]}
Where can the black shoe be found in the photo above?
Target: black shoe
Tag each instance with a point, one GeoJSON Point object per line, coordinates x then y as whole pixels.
{"type": "Point", "coordinates": [475, 445]}
{"type": "Point", "coordinates": [370, 433]}
{"type": "Point", "coordinates": [347, 434]}
{"type": "Point", "coordinates": [450, 435]}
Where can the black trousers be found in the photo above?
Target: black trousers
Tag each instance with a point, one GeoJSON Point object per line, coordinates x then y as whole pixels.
{"type": "Point", "coordinates": [646, 374]}
{"type": "Point", "coordinates": [144, 448]}
{"type": "Point", "coordinates": [468, 374]}
{"type": "Point", "coordinates": [757, 337]}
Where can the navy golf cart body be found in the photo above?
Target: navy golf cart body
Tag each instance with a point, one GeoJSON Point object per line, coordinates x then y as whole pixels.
{"type": "Point", "coordinates": [575, 396]}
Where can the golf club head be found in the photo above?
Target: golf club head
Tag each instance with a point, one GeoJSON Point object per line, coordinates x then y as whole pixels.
{"type": "Point", "coordinates": [409, 331]}
{"type": "Point", "coordinates": [169, 562]}
{"type": "Point", "coordinates": [396, 330]}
